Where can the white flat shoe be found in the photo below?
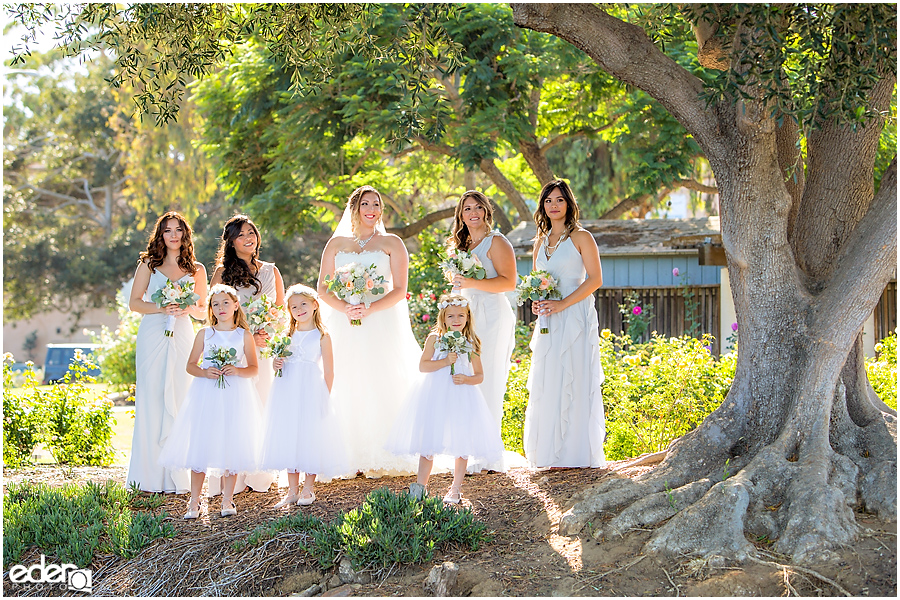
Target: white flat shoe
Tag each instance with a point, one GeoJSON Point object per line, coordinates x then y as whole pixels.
{"type": "Point", "coordinates": [192, 514]}
{"type": "Point", "coordinates": [287, 500]}
{"type": "Point", "coordinates": [229, 512]}
{"type": "Point", "coordinates": [306, 501]}
{"type": "Point", "coordinates": [453, 496]}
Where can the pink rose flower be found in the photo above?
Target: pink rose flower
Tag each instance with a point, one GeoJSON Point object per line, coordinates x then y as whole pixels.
{"type": "Point", "coordinates": [425, 317]}
{"type": "Point", "coordinates": [675, 271]}
{"type": "Point", "coordinates": [734, 326]}
{"type": "Point", "coordinates": [637, 310]}
{"type": "Point", "coordinates": [369, 284]}
{"type": "Point", "coordinates": [544, 284]}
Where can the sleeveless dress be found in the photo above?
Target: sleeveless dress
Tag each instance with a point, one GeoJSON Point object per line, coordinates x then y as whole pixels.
{"type": "Point", "coordinates": [441, 417]}
{"type": "Point", "coordinates": [374, 365]}
{"type": "Point", "coordinates": [161, 384]}
{"type": "Point", "coordinates": [564, 421]}
{"type": "Point", "coordinates": [495, 325]}
{"type": "Point", "coordinates": [258, 482]}
{"type": "Point", "coordinates": [203, 437]}
{"type": "Point", "coordinates": [302, 433]}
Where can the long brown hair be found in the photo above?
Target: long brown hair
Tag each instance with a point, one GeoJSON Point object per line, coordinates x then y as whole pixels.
{"type": "Point", "coordinates": [572, 212]}
{"type": "Point", "coordinates": [353, 203]}
{"type": "Point", "coordinates": [240, 319]}
{"type": "Point", "coordinates": [235, 272]}
{"type": "Point", "coordinates": [440, 328]}
{"type": "Point", "coordinates": [461, 236]}
{"type": "Point", "coordinates": [155, 254]}
{"type": "Point", "coordinates": [299, 289]}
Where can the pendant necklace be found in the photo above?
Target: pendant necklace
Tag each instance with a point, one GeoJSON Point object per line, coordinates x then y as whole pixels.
{"type": "Point", "coordinates": [548, 249]}
{"type": "Point", "coordinates": [362, 243]}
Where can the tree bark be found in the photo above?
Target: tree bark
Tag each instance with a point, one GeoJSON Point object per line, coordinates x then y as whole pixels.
{"type": "Point", "coordinates": [799, 440]}
{"type": "Point", "coordinates": [414, 229]}
{"type": "Point", "coordinates": [507, 187]}
{"type": "Point", "coordinates": [534, 156]}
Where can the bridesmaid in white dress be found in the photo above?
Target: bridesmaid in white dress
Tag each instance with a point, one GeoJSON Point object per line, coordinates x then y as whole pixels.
{"type": "Point", "coordinates": [238, 265]}
{"type": "Point", "coordinates": [495, 320]}
{"type": "Point", "coordinates": [160, 361]}
{"type": "Point", "coordinates": [564, 421]}
{"type": "Point", "coordinates": [375, 362]}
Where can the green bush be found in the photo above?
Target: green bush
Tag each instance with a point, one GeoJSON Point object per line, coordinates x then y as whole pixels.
{"type": "Point", "coordinates": [67, 418]}
{"type": "Point", "coordinates": [515, 401]}
{"type": "Point", "coordinates": [883, 370]}
{"type": "Point", "coordinates": [386, 529]}
{"type": "Point", "coordinates": [117, 348]}
{"type": "Point", "coordinates": [658, 390]}
{"type": "Point", "coordinates": [426, 282]}
{"type": "Point", "coordinates": [74, 522]}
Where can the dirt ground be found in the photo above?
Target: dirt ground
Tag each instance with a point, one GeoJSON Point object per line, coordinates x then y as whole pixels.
{"type": "Point", "coordinates": [525, 558]}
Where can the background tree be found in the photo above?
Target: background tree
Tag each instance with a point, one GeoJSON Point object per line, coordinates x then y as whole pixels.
{"type": "Point", "coordinates": [791, 129]}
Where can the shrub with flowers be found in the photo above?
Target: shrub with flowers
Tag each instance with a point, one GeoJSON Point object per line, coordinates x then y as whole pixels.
{"type": "Point", "coordinates": [426, 282]}
{"type": "Point", "coordinates": [882, 370]}
{"type": "Point", "coordinates": [635, 317]}
{"type": "Point", "coordinates": [659, 390]}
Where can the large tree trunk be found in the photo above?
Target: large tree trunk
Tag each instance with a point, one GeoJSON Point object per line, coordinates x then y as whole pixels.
{"type": "Point", "coordinates": [800, 439]}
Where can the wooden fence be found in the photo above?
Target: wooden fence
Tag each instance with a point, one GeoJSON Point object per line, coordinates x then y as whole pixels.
{"type": "Point", "coordinates": [668, 310]}
{"type": "Point", "coordinates": [886, 312]}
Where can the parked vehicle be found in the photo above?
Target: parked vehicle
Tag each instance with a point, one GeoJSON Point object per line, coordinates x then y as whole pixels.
{"type": "Point", "coordinates": [59, 356]}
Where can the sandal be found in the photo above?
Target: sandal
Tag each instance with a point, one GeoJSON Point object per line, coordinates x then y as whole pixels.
{"type": "Point", "coordinates": [229, 512]}
{"type": "Point", "coordinates": [289, 499]}
{"type": "Point", "coordinates": [306, 501]}
{"type": "Point", "coordinates": [454, 496]}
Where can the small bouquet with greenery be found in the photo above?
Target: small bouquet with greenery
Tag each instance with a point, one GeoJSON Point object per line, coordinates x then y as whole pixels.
{"type": "Point", "coordinates": [460, 262]}
{"type": "Point", "coordinates": [356, 284]}
{"type": "Point", "coordinates": [263, 315]}
{"type": "Point", "coordinates": [181, 294]}
{"type": "Point", "coordinates": [536, 286]}
{"type": "Point", "coordinates": [454, 341]}
{"type": "Point", "coordinates": [278, 347]}
{"type": "Point", "coordinates": [221, 356]}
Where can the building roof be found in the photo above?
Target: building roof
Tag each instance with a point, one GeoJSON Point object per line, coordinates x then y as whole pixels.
{"type": "Point", "coordinates": [632, 237]}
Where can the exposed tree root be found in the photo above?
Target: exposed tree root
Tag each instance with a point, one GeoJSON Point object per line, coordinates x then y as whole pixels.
{"type": "Point", "coordinates": [818, 576]}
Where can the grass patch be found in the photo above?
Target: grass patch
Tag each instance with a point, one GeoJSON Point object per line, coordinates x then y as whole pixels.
{"type": "Point", "coordinates": [74, 522]}
{"type": "Point", "coordinates": [386, 529]}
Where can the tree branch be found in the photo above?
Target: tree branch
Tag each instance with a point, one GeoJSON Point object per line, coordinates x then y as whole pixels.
{"type": "Point", "coordinates": [694, 185]}
{"type": "Point", "coordinates": [413, 229]}
{"type": "Point", "coordinates": [506, 186]}
{"type": "Point", "coordinates": [624, 51]}
{"type": "Point", "coordinates": [584, 132]}
{"type": "Point", "coordinates": [624, 206]}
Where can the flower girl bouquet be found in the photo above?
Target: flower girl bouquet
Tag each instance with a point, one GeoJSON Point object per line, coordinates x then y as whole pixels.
{"type": "Point", "coordinates": [454, 341]}
{"type": "Point", "coordinates": [536, 286]}
{"type": "Point", "coordinates": [278, 348]}
{"type": "Point", "coordinates": [263, 315]}
{"type": "Point", "coordinates": [460, 262]}
{"type": "Point", "coordinates": [221, 356]}
{"type": "Point", "coordinates": [356, 284]}
{"type": "Point", "coordinates": [174, 293]}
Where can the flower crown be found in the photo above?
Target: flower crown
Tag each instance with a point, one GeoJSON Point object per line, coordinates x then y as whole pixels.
{"type": "Point", "coordinates": [220, 288]}
{"type": "Point", "coordinates": [459, 302]}
{"type": "Point", "coordinates": [300, 289]}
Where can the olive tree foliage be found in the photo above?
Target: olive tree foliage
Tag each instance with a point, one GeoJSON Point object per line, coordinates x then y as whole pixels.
{"type": "Point", "coordinates": [791, 125]}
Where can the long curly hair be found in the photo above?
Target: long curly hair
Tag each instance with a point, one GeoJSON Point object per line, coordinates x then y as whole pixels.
{"type": "Point", "coordinates": [460, 237]}
{"type": "Point", "coordinates": [155, 254]}
{"type": "Point", "coordinates": [353, 203]}
{"type": "Point", "coordinates": [572, 213]}
{"type": "Point", "coordinates": [240, 319]}
{"type": "Point", "coordinates": [298, 289]}
{"type": "Point", "coordinates": [235, 272]}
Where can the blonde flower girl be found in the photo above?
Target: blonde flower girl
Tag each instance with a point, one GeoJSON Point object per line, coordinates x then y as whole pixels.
{"type": "Point", "coordinates": [302, 432]}
{"type": "Point", "coordinates": [446, 412]}
{"type": "Point", "coordinates": [220, 399]}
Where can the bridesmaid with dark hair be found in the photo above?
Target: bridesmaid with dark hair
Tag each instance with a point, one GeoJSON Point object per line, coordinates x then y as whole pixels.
{"type": "Point", "coordinates": [238, 265]}
{"type": "Point", "coordinates": [564, 422]}
{"type": "Point", "coordinates": [160, 360]}
{"type": "Point", "coordinates": [495, 320]}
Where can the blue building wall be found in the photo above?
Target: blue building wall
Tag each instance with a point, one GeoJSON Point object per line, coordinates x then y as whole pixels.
{"type": "Point", "coordinates": [648, 271]}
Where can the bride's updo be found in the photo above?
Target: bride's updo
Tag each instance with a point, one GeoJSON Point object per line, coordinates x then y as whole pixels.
{"type": "Point", "coordinates": [353, 204]}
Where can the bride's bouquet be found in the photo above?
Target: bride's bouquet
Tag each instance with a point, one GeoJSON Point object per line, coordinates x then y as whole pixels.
{"type": "Point", "coordinates": [460, 262]}
{"type": "Point", "coordinates": [174, 293]}
{"type": "Point", "coordinates": [263, 315]}
{"type": "Point", "coordinates": [454, 341]}
{"type": "Point", "coordinates": [221, 356]}
{"type": "Point", "coordinates": [278, 347]}
{"type": "Point", "coordinates": [536, 286]}
{"type": "Point", "coordinates": [356, 284]}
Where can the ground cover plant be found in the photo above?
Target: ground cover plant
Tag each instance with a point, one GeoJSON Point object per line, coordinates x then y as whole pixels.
{"type": "Point", "coordinates": [882, 370]}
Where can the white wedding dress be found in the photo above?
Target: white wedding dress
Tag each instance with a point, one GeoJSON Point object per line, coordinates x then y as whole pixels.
{"type": "Point", "coordinates": [564, 421]}
{"type": "Point", "coordinates": [162, 382]}
{"type": "Point", "coordinates": [374, 365]}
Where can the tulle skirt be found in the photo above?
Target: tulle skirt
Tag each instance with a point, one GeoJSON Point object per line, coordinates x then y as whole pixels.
{"type": "Point", "coordinates": [302, 430]}
{"type": "Point", "coordinates": [218, 430]}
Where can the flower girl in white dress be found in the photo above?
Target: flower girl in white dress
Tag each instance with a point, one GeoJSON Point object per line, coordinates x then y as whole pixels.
{"type": "Point", "coordinates": [446, 412]}
{"type": "Point", "coordinates": [302, 431]}
{"type": "Point", "coordinates": [219, 400]}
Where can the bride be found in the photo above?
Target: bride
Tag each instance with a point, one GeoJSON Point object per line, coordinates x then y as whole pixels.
{"type": "Point", "coordinates": [374, 362]}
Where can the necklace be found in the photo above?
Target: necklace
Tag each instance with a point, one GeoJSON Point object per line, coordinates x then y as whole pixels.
{"type": "Point", "coordinates": [362, 243]}
{"type": "Point", "coordinates": [548, 249]}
